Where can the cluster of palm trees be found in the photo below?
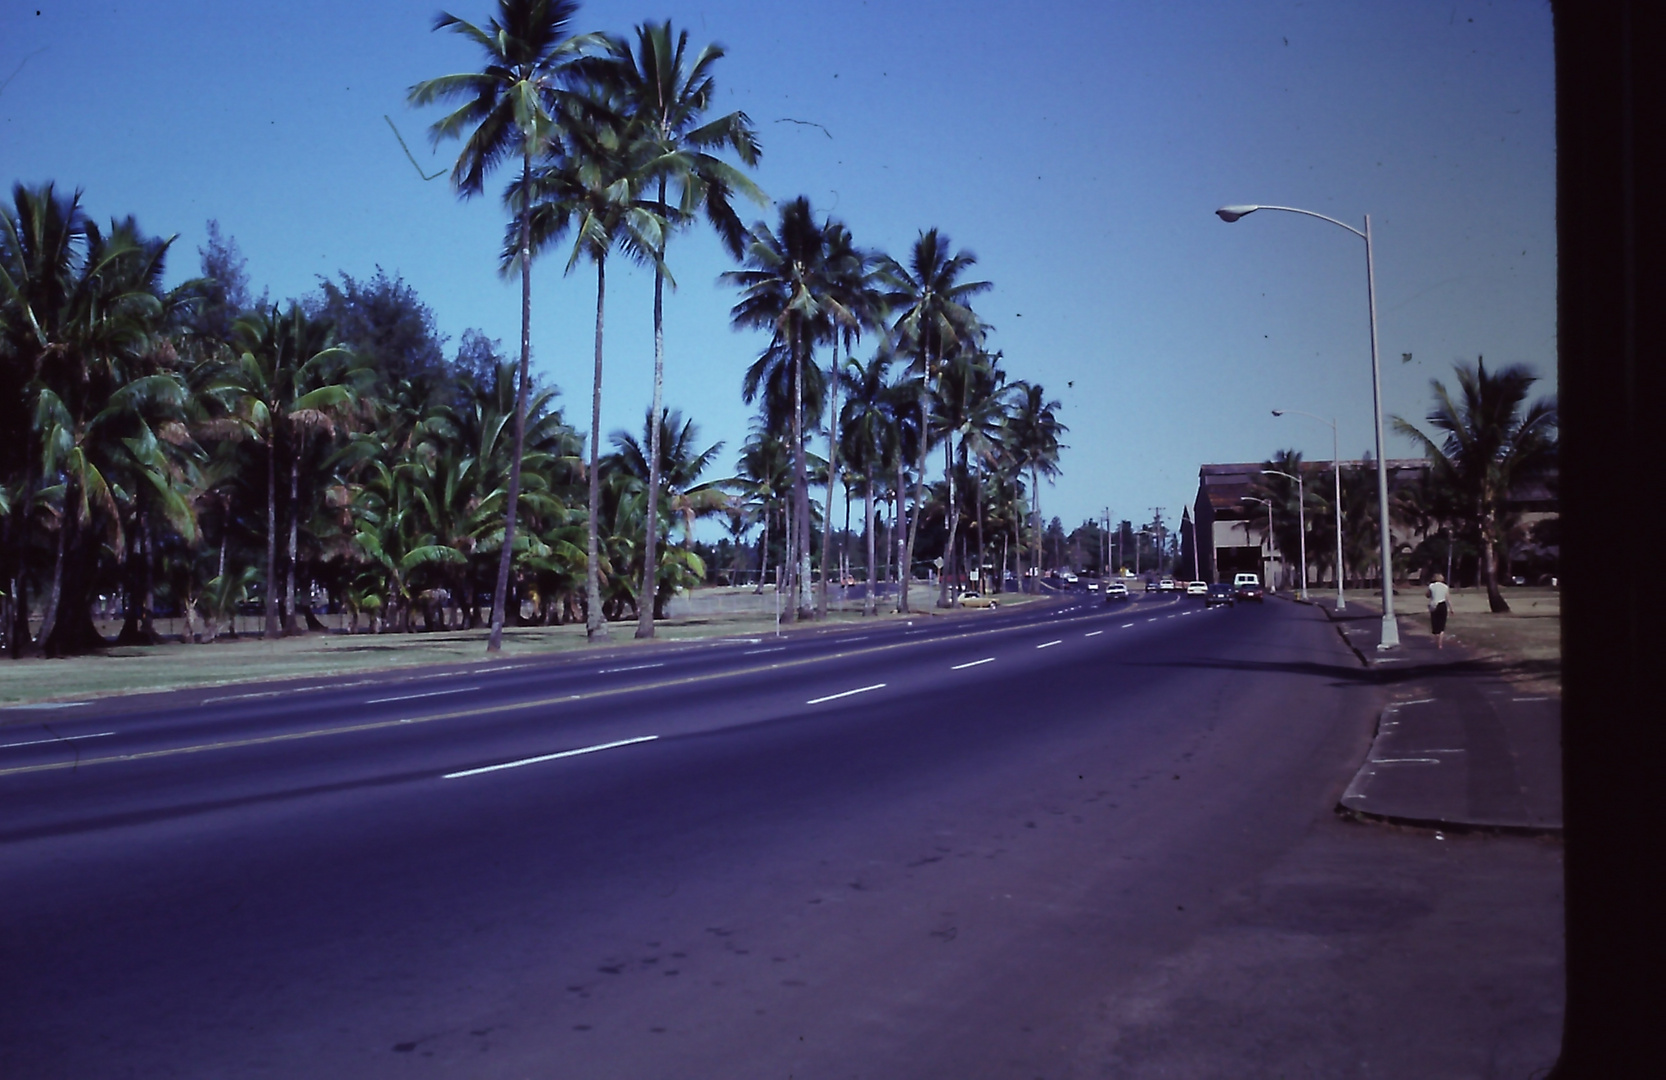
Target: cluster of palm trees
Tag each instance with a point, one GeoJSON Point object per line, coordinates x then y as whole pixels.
{"type": "Point", "coordinates": [185, 444]}
{"type": "Point", "coordinates": [1489, 446]}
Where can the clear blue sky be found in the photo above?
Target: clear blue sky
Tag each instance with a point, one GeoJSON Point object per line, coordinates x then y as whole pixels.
{"type": "Point", "coordinates": [1079, 152]}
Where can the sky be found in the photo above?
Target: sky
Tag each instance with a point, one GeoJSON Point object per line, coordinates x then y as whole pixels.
{"type": "Point", "coordinates": [1079, 153]}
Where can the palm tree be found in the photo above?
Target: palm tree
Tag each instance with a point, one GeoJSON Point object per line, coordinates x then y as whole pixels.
{"type": "Point", "coordinates": [1494, 441]}
{"type": "Point", "coordinates": [668, 96]}
{"type": "Point", "coordinates": [593, 186]}
{"type": "Point", "coordinates": [934, 320]}
{"type": "Point", "coordinates": [1035, 431]}
{"type": "Point", "coordinates": [288, 380]}
{"type": "Point", "coordinates": [968, 403]}
{"type": "Point", "coordinates": [530, 58]}
{"type": "Point", "coordinates": [685, 495]}
{"type": "Point", "coordinates": [785, 290]}
{"type": "Point", "coordinates": [867, 431]}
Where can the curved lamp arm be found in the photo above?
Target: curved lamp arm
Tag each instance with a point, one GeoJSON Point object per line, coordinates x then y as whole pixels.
{"type": "Point", "coordinates": [1233, 213]}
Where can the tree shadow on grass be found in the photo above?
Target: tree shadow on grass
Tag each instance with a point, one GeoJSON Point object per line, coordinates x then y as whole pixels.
{"type": "Point", "coordinates": [1342, 674]}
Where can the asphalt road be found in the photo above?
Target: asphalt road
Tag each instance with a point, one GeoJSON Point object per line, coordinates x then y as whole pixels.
{"type": "Point", "coordinates": [1085, 841]}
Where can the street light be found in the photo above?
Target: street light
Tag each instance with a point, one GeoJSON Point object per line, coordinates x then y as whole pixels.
{"type": "Point", "coordinates": [1301, 521]}
{"type": "Point", "coordinates": [1391, 630]}
{"type": "Point", "coordinates": [1268, 503]}
{"type": "Point", "coordinates": [1336, 466]}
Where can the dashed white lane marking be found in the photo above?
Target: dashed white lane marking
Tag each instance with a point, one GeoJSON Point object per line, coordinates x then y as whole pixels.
{"type": "Point", "coordinates": [845, 640]}
{"type": "Point", "coordinates": [1529, 699]}
{"type": "Point", "coordinates": [1414, 701]}
{"type": "Point", "coordinates": [430, 693]}
{"type": "Point", "coordinates": [1093, 633]}
{"type": "Point", "coordinates": [1125, 626]}
{"type": "Point", "coordinates": [757, 652]}
{"type": "Point", "coordinates": [847, 693]}
{"type": "Point", "coordinates": [66, 738]}
{"type": "Point", "coordinates": [974, 663]}
{"type": "Point", "coordinates": [1152, 619]}
{"type": "Point", "coordinates": [1406, 761]}
{"type": "Point", "coordinates": [633, 667]}
{"type": "Point", "coordinates": [1049, 644]}
{"type": "Point", "coordinates": [550, 757]}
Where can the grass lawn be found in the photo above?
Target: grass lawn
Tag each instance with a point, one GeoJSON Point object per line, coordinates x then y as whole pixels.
{"type": "Point", "coordinates": [1526, 642]}
{"type": "Point", "coordinates": [173, 665]}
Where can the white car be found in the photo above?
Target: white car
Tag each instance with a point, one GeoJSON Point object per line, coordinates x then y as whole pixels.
{"type": "Point", "coordinates": [1116, 590]}
{"type": "Point", "coordinates": [1197, 588]}
{"type": "Point", "coordinates": [1245, 579]}
{"type": "Point", "coordinates": [1166, 585]}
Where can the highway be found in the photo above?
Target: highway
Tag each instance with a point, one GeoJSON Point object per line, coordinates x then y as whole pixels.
{"type": "Point", "coordinates": [949, 847]}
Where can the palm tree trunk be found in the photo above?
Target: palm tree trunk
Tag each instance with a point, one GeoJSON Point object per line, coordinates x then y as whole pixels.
{"type": "Point", "coordinates": [49, 616]}
{"type": "Point", "coordinates": [950, 563]}
{"type": "Point", "coordinates": [763, 550]}
{"type": "Point", "coordinates": [1035, 516]}
{"type": "Point", "coordinates": [801, 484]}
{"type": "Point", "coordinates": [907, 566]}
{"type": "Point", "coordinates": [500, 591]}
{"type": "Point", "coordinates": [1489, 569]}
{"type": "Point", "coordinates": [899, 531]}
{"type": "Point", "coordinates": [832, 473]}
{"type": "Point", "coordinates": [870, 603]}
{"type": "Point", "coordinates": [650, 565]}
{"type": "Point", "coordinates": [292, 625]}
{"type": "Point", "coordinates": [272, 532]}
{"type": "Point", "coordinates": [594, 623]}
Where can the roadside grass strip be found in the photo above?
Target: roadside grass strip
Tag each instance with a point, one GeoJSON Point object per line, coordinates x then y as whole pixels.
{"type": "Point", "coordinates": [847, 693]}
{"type": "Point", "coordinates": [550, 757]}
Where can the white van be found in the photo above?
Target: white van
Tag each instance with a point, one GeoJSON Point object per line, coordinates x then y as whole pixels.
{"type": "Point", "coordinates": [1245, 579]}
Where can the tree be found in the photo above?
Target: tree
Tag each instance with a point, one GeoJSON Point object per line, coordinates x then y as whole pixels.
{"type": "Point", "coordinates": [1494, 440]}
{"type": "Point", "coordinates": [530, 58]}
{"type": "Point", "coordinates": [934, 319]}
{"type": "Point", "coordinates": [591, 183]}
{"type": "Point", "coordinates": [1034, 431]}
{"type": "Point", "coordinates": [785, 290]}
{"type": "Point", "coordinates": [683, 493]}
{"type": "Point", "coordinates": [668, 95]}
{"type": "Point", "coordinates": [289, 379]}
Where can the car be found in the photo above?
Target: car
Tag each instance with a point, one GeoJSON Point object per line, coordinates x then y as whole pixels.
{"type": "Point", "coordinates": [1166, 585]}
{"type": "Point", "coordinates": [1218, 592]}
{"type": "Point", "coordinates": [1249, 590]}
{"type": "Point", "coordinates": [1093, 586]}
{"type": "Point", "coordinates": [1116, 590]}
{"type": "Point", "coordinates": [1197, 588]}
{"type": "Point", "coordinates": [977, 600]}
{"type": "Point", "coordinates": [1150, 586]}
{"type": "Point", "coordinates": [1245, 579]}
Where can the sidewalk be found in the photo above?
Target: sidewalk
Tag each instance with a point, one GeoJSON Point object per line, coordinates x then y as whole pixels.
{"type": "Point", "coordinates": [1459, 747]}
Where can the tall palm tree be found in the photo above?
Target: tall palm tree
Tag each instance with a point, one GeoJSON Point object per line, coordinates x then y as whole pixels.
{"type": "Point", "coordinates": [934, 319]}
{"type": "Point", "coordinates": [592, 184]}
{"type": "Point", "coordinates": [1035, 431]}
{"type": "Point", "coordinates": [968, 404]}
{"type": "Point", "coordinates": [685, 495]}
{"type": "Point", "coordinates": [668, 95]}
{"type": "Point", "coordinates": [868, 434]}
{"type": "Point", "coordinates": [506, 110]}
{"type": "Point", "coordinates": [785, 290]}
{"type": "Point", "coordinates": [1494, 440]}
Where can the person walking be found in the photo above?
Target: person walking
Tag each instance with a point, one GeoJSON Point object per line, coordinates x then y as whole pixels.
{"type": "Point", "coordinates": [1438, 608]}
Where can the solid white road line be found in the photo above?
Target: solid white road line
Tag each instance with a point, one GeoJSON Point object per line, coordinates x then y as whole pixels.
{"type": "Point", "coordinates": [633, 667]}
{"type": "Point", "coordinates": [413, 697]}
{"type": "Point", "coordinates": [756, 652]}
{"type": "Point", "coordinates": [1049, 644]}
{"type": "Point", "coordinates": [550, 757]}
{"type": "Point", "coordinates": [1093, 633]}
{"type": "Point", "coordinates": [66, 738]}
{"type": "Point", "coordinates": [847, 693]}
{"type": "Point", "coordinates": [974, 663]}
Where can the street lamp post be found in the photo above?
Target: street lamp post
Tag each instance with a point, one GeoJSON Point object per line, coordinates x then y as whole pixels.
{"type": "Point", "coordinates": [1390, 630]}
{"type": "Point", "coordinates": [1301, 521]}
{"type": "Point", "coordinates": [1336, 467]}
{"type": "Point", "coordinates": [1268, 503]}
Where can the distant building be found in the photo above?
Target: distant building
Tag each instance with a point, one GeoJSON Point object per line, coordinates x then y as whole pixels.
{"type": "Point", "coordinates": [1232, 535]}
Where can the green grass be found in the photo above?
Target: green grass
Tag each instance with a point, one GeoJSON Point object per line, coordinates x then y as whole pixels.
{"type": "Point", "coordinates": [1525, 642]}
{"type": "Point", "coordinates": [173, 665]}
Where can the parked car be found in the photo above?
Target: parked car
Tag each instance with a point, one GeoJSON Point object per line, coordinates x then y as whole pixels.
{"type": "Point", "coordinates": [1150, 585]}
{"type": "Point", "coordinates": [1166, 585]}
{"type": "Point", "coordinates": [1115, 590]}
{"type": "Point", "coordinates": [1218, 592]}
{"type": "Point", "coordinates": [977, 600]}
{"type": "Point", "coordinates": [1249, 590]}
{"type": "Point", "coordinates": [1196, 588]}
